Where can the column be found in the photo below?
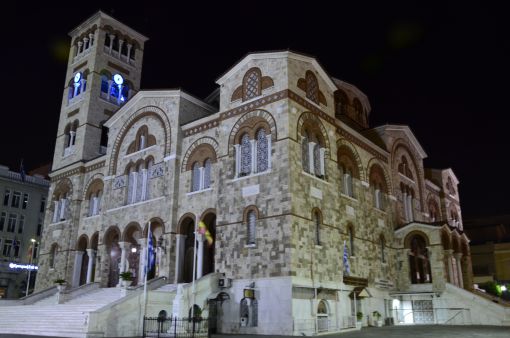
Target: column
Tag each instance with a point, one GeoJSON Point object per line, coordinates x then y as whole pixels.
{"type": "Point", "coordinates": [78, 259]}
{"type": "Point", "coordinates": [141, 264]}
{"type": "Point", "coordinates": [237, 151]}
{"type": "Point", "coordinates": [91, 39]}
{"type": "Point", "coordinates": [201, 173]}
{"type": "Point", "coordinates": [311, 164]}
{"type": "Point", "coordinates": [92, 258]}
{"type": "Point", "coordinates": [200, 255]}
{"type": "Point", "coordinates": [179, 257]}
{"type": "Point", "coordinates": [112, 37]}
{"type": "Point", "coordinates": [458, 257]}
{"type": "Point", "coordinates": [121, 42]}
{"type": "Point", "coordinates": [268, 151]}
{"type": "Point", "coordinates": [124, 247]}
{"type": "Point", "coordinates": [404, 200]}
{"type": "Point", "coordinates": [448, 263]}
{"type": "Point", "coordinates": [85, 44]}
{"type": "Point", "coordinates": [55, 212]}
{"type": "Point", "coordinates": [322, 152]}
{"type": "Point", "coordinates": [129, 46]}
{"type": "Point", "coordinates": [80, 44]}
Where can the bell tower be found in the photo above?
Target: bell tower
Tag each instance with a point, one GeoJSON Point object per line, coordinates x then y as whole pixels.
{"type": "Point", "coordinates": [103, 72]}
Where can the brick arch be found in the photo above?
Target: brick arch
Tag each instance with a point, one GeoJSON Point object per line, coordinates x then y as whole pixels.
{"type": "Point", "coordinates": [375, 164]}
{"type": "Point", "coordinates": [431, 202]}
{"type": "Point", "coordinates": [129, 230]}
{"type": "Point", "coordinates": [63, 186]}
{"type": "Point", "coordinates": [188, 215]}
{"type": "Point", "coordinates": [110, 233]}
{"type": "Point", "coordinates": [153, 111]}
{"type": "Point", "coordinates": [207, 212]}
{"type": "Point", "coordinates": [307, 119]}
{"type": "Point", "coordinates": [94, 183]}
{"type": "Point", "coordinates": [410, 235]}
{"type": "Point", "coordinates": [253, 117]}
{"type": "Point", "coordinates": [208, 142]}
{"type": "Point", "coordinates": [455, 240]}
{"type": "Point", "coordinates": [446, 240]}
{"type": "Point", "coordinates": [249, 208]}
{"type": "Point", "coordinates": [94, 240]}
{"type": "Point", "coordinates": [464, 245]}
{"type": "Point", "coordinates": [82, 243]}
{"type": "Point", "coordinates": [155, 223]}
{"type": "Point", "coordinates": [345, 148]}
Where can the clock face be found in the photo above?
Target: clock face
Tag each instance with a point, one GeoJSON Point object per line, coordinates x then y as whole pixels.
{"type": "Point", "coordinates": [118, 79]}
{"type": "Point", "coordinates": [77, 77]}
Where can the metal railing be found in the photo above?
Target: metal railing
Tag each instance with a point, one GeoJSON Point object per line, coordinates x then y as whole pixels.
{"type": "Point", "coordinates": [444, 316]}
{"type": "Point", "coordinates": [176, 327]}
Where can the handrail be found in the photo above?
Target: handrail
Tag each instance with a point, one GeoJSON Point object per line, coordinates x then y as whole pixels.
{"type": "Point", "coordinates": [31, 298]}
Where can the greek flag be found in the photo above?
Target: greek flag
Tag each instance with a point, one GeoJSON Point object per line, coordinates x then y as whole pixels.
{"type": "Point", "coordinates": [347, 268]}
{"type": "Point", "coordinates": [150, 250]}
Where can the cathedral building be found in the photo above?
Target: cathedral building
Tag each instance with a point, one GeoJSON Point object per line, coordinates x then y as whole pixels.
{"type": "Point", "coordinates": [308, 215]}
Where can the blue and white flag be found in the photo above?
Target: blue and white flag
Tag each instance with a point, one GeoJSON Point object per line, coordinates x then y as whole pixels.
{"type": "Point", "coordinates": [150, 250]}
{"type": "Point", "coordinates": [347, 268]}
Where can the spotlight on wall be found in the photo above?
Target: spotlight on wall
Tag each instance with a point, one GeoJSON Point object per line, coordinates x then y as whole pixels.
{"type": "Point", "coordinates": [133, 249]}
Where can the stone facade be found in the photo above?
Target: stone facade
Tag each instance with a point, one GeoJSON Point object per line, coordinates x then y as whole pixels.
{"type": "Point", "coordinates": [284, 176]}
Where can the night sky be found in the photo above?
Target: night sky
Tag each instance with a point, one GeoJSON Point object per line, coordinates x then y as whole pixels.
{"type": "Point", "coordinates": [441, 69]}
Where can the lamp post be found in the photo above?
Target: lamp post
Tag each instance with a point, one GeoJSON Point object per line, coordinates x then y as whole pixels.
{"type": "Point", "coordinates": [30, 270]}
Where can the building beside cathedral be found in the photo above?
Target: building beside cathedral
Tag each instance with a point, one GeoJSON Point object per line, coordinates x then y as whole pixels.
{"type": "Point", "coordinates": [279, 163]}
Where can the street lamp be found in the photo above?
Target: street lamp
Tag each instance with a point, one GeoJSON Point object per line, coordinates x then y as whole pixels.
{"type": "Point", "coordinates": [30, 270]}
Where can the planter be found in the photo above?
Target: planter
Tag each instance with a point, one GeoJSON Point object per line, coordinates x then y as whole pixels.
{"type": "Point", "coordinates": [61, 287]}
{"type": "Point", "coordinates": [358, 325]}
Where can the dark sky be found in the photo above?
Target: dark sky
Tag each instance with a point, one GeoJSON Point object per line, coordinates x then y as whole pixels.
{"type": "Point", "coordinates": [441, 69]}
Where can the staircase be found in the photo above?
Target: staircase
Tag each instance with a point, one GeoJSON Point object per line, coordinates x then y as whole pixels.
{"type": "Point", "coordinates": [47, 318]}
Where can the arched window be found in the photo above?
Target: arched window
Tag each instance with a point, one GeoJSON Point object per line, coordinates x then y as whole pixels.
{"type": "Point", "coordinates": [317, 225]}
{"type": "Point", "coordinates": [313, 153]}
{"type": "Point", "coordinates": [378, 186]}
{"type": "Point", "coordinates": [341, 103]}
{"type": "Point", "coordinates": [408, 201]}
{"type": "Point", "coordinates": [95, 203]}
{"type": "Point", "coordinates": [347, 186]}
{"type": "Point", "coordinates": [70, 138]}
{"type": "Point", "coordinates": [305, 157]}
{"type": "Point", "coordinates": [358, 111]}
{"type": "Point", "coordinates": [53, 253]}
{"type": "Point", "coordinates": [245, 155]}
{"type": "Point", "coordinates": [114, 89]}
{"type": "Point", "coordinates": [61, 206]}
{"type": "Point", "coordinates": [252, 84]}
{"type": "Point", "coordinates": [433, 211]}
{"type": "Point", "coordinates": [207, 173]}
{"type": "Point", "coordinates": [349, 170]}
{"type": "Point", "coordinates": [251, 219]}
{"type": "Point", "coordinates": [262, 155]}
{"type": "Point", "coordinates": [195, 176]}
{"type": "Point", "coordinates": [404, 169]}
{"type": "Point", "coordinates": [77, 86]}
{"type": "Point", "coordinates": [312, 87]}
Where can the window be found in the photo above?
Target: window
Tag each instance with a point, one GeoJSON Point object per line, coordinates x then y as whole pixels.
{"type": "Point", "coordinates": [347, 186]}
{"type": "Point", "coordinates": [42, 207]}
{"type": "Point", "coordinates": [312, 87]}
{"type": "Point", "coordinates": [201, 175]}
{"type": "Point", "coordinates": [262, 149]}
{"type": "Point", "coordinates": [70, 138]}
{"type": "Point", "coordinates": [39, 229]}
{"type": "Point", "coordinates": [196, 172]}
{"type": "Point", "coordinates": [25, 201]}
{"type": "Point", "coordinates": [3, 216]}
{"type": "Point", "coordinates": [207, 173]}
{"type": "Point", "coordinates": [77, 86]}
{"type": "Point", "coordinates": [16, 247]}
{"type": "Point", "coordinates": [312, 154]}
{"type": "Point", "coordinates": [6, 252]}
{"type": "Point", "coordinates": [252, 84]}
{"type": "Point", "coordinates": [251, 222]}
{"type": "Point", "coordinates": [61, 212]}
{"type": "Point", "coordinates": [7, 196]}
{"type": "Point", "coordinates": [253, 153]}
{"type": "Point", "coordinates": [21, 224]}
{"type": "Point", "coordinates": [245, 155]}
{"type": "Point", "coordinates": [341, 103]}
{"type": "Point", "coordinates": [407, 201]}
{"type": "Point", "coordinates": [53, 253]}
{"type": "Point", "coordinates": [419, 261]}
{"type": "Point", "coordinates": [404, 169]}
{"type": "Point", "coordinates": [95, 203]}
{"type": "Point", "coordinates": [114, 89]}
{"type": "Point", "coordinates": [317, 225]}
{"type": "Point", "coordinates": [138, 182]}
{"type": "Point", "coordinates": [378, 185]}
{"type": "Point", "coordinates": [16, 198]}
{"type": "Point", "coordinates": [11, 225]}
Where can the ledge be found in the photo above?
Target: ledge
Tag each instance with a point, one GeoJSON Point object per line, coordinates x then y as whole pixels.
{"type": "Point", "coordinates": [135, 204]}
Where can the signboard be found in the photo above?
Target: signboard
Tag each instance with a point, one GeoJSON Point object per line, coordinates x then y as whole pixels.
{"type": "Point", "coordinates": [249, 293]}
{"type": "Point", "coordinates": [23, 266]}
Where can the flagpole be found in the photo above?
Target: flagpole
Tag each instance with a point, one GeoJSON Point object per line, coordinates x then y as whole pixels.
{"type": "Point", "coordinates": [194, 270]}
{"type": "Point", "coordinates": [146, 268]}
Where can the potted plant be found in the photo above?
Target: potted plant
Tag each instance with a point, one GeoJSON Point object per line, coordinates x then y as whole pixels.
{"type": "Point", "coordinates": [377, 318]}
{"type": "Point", "coordinates": [359, 318]}
{"type": "Point", "coordinates": [61, 284]}
{"type": "Point", "coordinates": [126, 278]}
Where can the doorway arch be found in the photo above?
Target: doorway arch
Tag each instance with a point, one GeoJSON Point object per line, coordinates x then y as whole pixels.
{"type": "Point", "coordinates": [209, 218]}
{"type": "Point", "coordinates": [111, 240]}
{"type": "Point", "coordinates": [82, 259]}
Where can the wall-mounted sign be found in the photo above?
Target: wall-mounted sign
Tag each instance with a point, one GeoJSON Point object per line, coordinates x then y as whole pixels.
{"type": "Point", "coordinates": [23, 266]}
{"type": "Point", "coordinates": [249, 293]}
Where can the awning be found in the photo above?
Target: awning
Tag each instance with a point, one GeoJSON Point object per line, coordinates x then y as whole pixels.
{"type": "Point", "coordinates": [360, 292]}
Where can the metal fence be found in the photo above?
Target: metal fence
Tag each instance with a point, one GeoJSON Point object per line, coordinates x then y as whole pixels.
{"type": "Point", "coordinates": [176, 327]}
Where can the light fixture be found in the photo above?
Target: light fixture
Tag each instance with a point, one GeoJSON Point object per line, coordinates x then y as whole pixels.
{"type": "Point", "coordinates": [133, 249]}
{"type": "Point", "coordinates": [77, 77]}
{"type": "Point", "coordinates": [503, 288]}
{"type": "Point", "coordinates": [118, 79]}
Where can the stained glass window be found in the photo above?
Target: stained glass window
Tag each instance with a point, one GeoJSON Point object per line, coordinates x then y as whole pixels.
{"type": "Point", "coordinates": [196, 176]}
{"type": "Point", "coordinates": [252, 85]}
{"type": "Point", "coordinates": [245, 155]}
{"type": "Point", "coordinates": [312, 87]}
{"type": "Point", "coordinates": [251, 227]}
{"type": "Point", "coordinates": [304, 154]}
{"type": "Point", "coordinates": [262, 159]}
{"type": "Point", "coordinates": [207, 173]}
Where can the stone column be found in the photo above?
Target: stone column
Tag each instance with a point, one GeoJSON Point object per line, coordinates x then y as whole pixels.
{"type": "Point", "coordinates": [141, 264]}
{"type": "Point", "coordinates": [268, 137]}
{"type": "Point", "coordinates": [311, 163]}
{"type": "Point", "coordinates": [92, 258]}
{"type": "Point", "coordinates": [91, 39]}
{"type": "Point", "coordinates": [179, 257]}
{"type": "Point", "coordinates": [200, 255]}
{"type": "Point", "coordinates": [80, 44]}
{"type": "Point", "coordinates": [124, 247]}
{"type": "Point", "coordinates": [237, 150]}
{"type": "Point", "coordinates": [112, 38]}
{"type": "Point", "coordinates": [253, 145]}
{"type": "Point", "coordinates": [129, 46]}
{"type": "Point", "coordinates": [86, 44]}
{"type": "Point", "coordinates": [121, 42]}
{"type": "Point", "coordinates": [458, 257]}
{"type": "Point", "coordinates": [78, 259]}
